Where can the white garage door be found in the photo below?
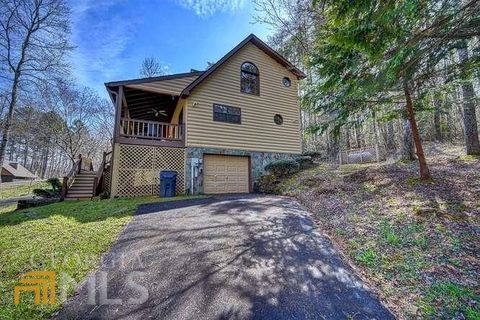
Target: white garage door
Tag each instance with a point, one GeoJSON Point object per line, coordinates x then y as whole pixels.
{"type": "Point", "coordinates": [225, 174]}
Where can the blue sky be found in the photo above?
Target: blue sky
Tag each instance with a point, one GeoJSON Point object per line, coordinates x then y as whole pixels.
{"type": "Point", "coordinates": [113, 36]}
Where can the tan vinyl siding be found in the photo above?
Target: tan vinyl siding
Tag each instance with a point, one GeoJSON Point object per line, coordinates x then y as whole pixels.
{"type": "Point", "coordinates": [257, 131]}
{"type": "Point", "coordinates": [173, 86]}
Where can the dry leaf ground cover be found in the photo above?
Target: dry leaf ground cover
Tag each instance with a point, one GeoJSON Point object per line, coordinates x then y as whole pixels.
{"type": "Point", "coordinates": [416, 242]}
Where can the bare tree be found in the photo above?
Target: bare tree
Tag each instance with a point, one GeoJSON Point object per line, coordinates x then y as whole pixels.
{"type": "Point", "coordinates": [74, 115]}
{"type": "Point", "coordinates": [472, 142]}
{"type": "Point", "coordinates": [151, 67]}
{"type": "Point", "coordinates": [33, 45]}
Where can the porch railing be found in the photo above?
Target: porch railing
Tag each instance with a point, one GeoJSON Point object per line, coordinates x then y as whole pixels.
{"type": "Point", "coordinates": [144, 129]}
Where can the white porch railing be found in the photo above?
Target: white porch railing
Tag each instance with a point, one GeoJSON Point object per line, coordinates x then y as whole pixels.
{"type": "Point", "coordinates": [144, 129]}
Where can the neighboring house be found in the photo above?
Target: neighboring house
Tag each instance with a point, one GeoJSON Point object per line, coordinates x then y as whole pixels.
{"type": "Point", "coordinates": [218, 128]}
{"type": "Point", "coordinates": [12, 171]}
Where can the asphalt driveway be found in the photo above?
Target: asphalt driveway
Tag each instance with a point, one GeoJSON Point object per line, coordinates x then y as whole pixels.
{"type": "Point", "coordinates": [242, 257]}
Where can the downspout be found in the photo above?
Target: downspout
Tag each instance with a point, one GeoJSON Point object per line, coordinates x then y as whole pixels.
{"type": "Point", "coordinates": [192, 175]}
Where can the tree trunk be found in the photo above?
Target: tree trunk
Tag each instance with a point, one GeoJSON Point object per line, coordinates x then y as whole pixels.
{"type": "Point", "coordinates": [437, 126]}
{"type": "Point", "coordinates": [333, 146]}
{"type": "Point", "coordinates": [44, 162]}
{"type": "Point", "coordinates": [358, 135]}
{"type": "Point", "coordinates": [437, 120]}
{"type": "Point", "coordinates": [375, 135]}
{"type": "Point", "coordinates": [390, 137]}
{"type": "Point", "coordinates": [8, 120]}
{"type": "Point", "coordinates": [25, 153]}
{"type": "Point", "coordinates": [347, 137]}
{"type": "Point", "coordinates": [472, 143]}
{"type": "Point", "coordinates": [12, 151]}
{"type": "Point", "coordinates": [424, 172]}
{"type": "Point", "coordinates": [408, 152]}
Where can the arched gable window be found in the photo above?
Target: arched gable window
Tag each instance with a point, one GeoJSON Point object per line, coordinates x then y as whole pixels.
{"type": "Point", "coordinates": [249, 79]}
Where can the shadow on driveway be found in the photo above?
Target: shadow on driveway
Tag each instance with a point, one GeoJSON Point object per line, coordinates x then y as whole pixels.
{"type": "Point", "coordinates": [240, 257]}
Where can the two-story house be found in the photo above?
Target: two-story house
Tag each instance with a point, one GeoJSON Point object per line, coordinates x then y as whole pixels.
{"type": "Point", "coordinates": [217, 128]}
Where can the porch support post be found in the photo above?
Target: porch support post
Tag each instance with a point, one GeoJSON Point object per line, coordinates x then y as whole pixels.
{"type": "Point", "coordinates": [118, 114]}
{"type": "Point", "coordinates": [125, 105]}
{"type": "Point", "coordinates": [114, 170]}
{"type": "Point", "coordinates": [115, 145]}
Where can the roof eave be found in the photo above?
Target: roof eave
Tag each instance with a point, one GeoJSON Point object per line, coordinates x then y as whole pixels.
{"type": "Point", "coordinates": [153, 79]}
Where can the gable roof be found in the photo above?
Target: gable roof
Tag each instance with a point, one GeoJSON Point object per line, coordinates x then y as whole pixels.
{"type": "Point", "coordinates": [17, 170]}
{"type": "Point", "coordinates": [262, 46]}
{"type": "Point", "coordinates": [153, 79]}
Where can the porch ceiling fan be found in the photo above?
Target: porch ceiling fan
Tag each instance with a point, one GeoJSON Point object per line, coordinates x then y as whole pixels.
{"type": "Point", "coordinates": [158, 113]}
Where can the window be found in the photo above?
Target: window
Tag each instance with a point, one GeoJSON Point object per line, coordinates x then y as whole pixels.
{"type": "Point", "coordinates": [287, 82]}
{"type": "Point", "coordinates": [228, 114]}
{"type": "Point", "coordinates": [249, 79]}
{"type": "Point", "coordinates": [278, 119]}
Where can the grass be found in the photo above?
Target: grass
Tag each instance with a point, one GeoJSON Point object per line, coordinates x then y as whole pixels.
{"type": "Point", "coordinates": [367, 257]}
{"type": "Point", "coordinates": [457, 299]}
{"type": "Point", "coordinates": [414, 242]}
{"type": "Point", "coordinates": [66, 237]}
{"type": "Point", "coordinates": [469, 158]}
{"type": "Point", "coordinates": [19, 190]}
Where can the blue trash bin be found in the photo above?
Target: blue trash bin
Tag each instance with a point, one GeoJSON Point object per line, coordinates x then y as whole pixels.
{"type": "Point", "coordinates": [168, 182]}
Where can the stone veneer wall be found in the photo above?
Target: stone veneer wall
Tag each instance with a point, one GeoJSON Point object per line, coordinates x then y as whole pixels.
{"type": "Point", "coordinates": [258, 160]}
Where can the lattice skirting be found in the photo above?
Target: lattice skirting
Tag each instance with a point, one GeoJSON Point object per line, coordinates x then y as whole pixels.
{"type": "Point", "coordinates": [107, 180]}
{"type": "Point", "coordinates": [139, 169]}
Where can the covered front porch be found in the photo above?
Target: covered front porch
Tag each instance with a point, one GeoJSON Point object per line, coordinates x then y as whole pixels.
{"type": "Point", "coordinates": [148, 118]}
{"type": "Point", "coordinates": [150, 112]}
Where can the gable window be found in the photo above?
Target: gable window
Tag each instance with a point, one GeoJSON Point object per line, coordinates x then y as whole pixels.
{"type": "Point", "coordinates": [249, 79]}
{"type": "Point", "coordinates": [223, 113]}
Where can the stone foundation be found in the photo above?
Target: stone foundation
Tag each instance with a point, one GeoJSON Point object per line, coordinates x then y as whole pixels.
{"type": "Point", "coordinates": [258, 162]}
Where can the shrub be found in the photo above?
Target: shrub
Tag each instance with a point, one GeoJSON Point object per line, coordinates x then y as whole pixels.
{"type": "Point", "coordinates": [267, 184]}
{"type": "Point", "coordinates": [45, 193]}
{"type": "Point", "coordinates": [54, 192]}
{"type": "Point", "coordinates": [317, 155]}
{"type": "Point", "coordinates": [283, 168]}
{"type": "Point", "coordinates": [305, 162]}
{"type": "Point", "coordinates": [313, 154]}
{"type": "Point", "coordinates": [55, 184]}
{"type": "Point", "coordinates": [105, 195]}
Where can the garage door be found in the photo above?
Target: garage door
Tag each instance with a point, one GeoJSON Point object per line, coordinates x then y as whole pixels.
{"type": "Point", "coordinates": [225, 174]}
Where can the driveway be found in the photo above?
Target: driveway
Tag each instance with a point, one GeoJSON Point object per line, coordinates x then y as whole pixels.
{"type": "Point", "coordinates": [239, 257]}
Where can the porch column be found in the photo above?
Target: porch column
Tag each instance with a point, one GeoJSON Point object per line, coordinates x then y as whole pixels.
{"type": "Point", "coordinates": [114, 170]}
{"type": "Point", "coordinates": [118, 114]}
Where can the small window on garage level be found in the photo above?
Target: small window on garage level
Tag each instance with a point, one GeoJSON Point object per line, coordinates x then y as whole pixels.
{"type": "Point", "coordinates": [223, 113]}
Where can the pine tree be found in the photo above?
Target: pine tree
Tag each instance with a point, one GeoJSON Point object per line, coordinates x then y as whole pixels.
{"type": "Point", "coordinates": [383, 52]}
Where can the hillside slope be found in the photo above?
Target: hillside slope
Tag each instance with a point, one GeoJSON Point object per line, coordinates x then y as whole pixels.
{"type": "Point", "coordinates": [416, 242]}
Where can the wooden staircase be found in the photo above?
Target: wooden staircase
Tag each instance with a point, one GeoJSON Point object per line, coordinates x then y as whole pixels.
{"type": "Point", "coordinates": [82, 182]}
{"type": "Point", "coordinates": [82, 186]}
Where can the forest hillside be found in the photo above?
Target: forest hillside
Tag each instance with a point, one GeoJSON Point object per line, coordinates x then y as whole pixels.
{"type": "Point", "coordinates": [416, 242]}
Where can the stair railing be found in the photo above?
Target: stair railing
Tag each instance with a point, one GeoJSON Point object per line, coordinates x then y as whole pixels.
{"type": "Point", "coordinates": [100, 172]}
{"type": "Point", "coordinates": [68, 179]}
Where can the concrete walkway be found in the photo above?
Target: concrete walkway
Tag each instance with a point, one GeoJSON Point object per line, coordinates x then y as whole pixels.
{"type": "Point", "coordinates": [243, 257]}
